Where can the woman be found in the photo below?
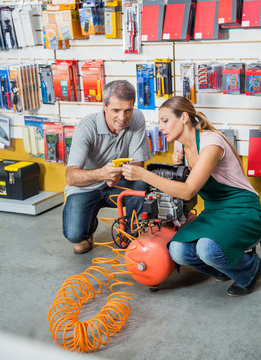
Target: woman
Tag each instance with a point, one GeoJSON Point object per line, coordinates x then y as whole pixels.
{"type": "Point", "coordinates": [216, 241]}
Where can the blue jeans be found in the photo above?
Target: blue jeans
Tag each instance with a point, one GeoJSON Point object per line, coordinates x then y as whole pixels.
{"type": "Point", "coordinates": [81, 209]}
{"type": "Point", "coordinates": [209, 258]}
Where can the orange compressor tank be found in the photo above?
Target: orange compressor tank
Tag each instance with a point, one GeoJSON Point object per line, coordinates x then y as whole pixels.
{"type": "Point", "coordinates": [148, 258]}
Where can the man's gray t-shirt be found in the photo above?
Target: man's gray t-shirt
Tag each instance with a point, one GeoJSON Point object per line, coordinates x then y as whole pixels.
{"type": "Point", "coordinates": [93, 145]}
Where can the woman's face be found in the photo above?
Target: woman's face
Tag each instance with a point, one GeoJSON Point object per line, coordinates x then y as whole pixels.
{"type": "Point", "coordinates": [170, 125]}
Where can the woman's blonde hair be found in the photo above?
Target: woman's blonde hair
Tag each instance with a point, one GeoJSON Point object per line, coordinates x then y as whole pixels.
{"type": "Point", "coordinates": [178, 105]}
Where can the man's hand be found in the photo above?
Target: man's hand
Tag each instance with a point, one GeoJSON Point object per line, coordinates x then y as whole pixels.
{"type": "Point", "coordinates": [76, 176]}
{"type": "Point", "coordinates": [112, 174]}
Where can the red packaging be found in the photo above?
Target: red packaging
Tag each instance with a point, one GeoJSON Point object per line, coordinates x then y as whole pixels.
{"type": "Point", "coordinates": [76, 79]}
{"type": "Point", "coordinates": [254, 150]}
{"type": "Point", "coordinates": [178, 20]}
{"type": "Point", "coordinates": [63, 82]}
{"type": "Point", "coordinates": [93, 80]}
{"type": "Point", "coordinates": [152, 20]}
{"type": "Point", "coordinates": [206, 25]}
{"type": "Point", "coordinates": [229, 12]}
{"type": "Point", "coordinates": [53, 142]}
{"type": "Point", "coordinates": [251, 14]}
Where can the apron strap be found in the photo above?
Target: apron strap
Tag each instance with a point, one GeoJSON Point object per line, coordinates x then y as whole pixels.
{"type": "Point", "coordinates": [184, 157]}
{"type": "Point", "coordinates": [197, 139]}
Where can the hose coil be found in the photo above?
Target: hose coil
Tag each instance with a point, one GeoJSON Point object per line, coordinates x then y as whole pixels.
{"type": "Point", "coordinates": [83, 336]}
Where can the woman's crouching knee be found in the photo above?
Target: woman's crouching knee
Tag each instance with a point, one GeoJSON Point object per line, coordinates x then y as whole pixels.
{"type": "Point", "coordinates": [180, 252]}
{"type": "Point", "coordinates": [209, 251]}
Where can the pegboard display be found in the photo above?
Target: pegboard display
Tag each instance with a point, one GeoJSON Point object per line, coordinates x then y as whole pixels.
{"type": "Point", "coordinates": [238, 112]}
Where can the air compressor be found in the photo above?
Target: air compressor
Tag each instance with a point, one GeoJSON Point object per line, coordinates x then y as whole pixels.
{"type": "Point", "coordinates": [147, 257]}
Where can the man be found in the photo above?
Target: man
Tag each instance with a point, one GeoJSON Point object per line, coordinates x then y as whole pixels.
{"type": "Point", "coordinates": [117, 131]}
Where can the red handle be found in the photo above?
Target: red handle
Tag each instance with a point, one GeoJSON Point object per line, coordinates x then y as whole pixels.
{"type": "Point", "coordinates": [119, 202]}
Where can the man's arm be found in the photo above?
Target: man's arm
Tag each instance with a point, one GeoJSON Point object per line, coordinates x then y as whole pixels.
{"type": "Point", "coordinates": [76, 176]}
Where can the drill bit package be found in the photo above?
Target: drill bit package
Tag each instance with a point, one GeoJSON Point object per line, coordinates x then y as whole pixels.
{"type": "Point", "coordinates": [210, 77]}
{"type": "Point", "coordinates": [145, 86]}
{"type": "Point", "coordinates": [163, 78]}
{"type": "Point", "coordinates": [131, 27]}
{"type": "Point", "coordinates": [188, 85]}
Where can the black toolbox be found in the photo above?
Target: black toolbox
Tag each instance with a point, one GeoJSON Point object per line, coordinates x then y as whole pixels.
{"type": "Point", "coordinates": [18, 179]}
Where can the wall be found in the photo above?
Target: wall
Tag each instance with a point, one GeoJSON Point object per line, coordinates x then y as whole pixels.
{"type": "Point", "coordinates": [240, 112]}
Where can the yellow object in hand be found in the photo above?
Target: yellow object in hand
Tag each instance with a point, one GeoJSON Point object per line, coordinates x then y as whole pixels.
{"type": "Point", "coordinates": [121, 161]}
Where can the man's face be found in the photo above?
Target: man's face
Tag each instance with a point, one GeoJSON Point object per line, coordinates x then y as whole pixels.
{"type": "Point", "coordinates": [118, 114]}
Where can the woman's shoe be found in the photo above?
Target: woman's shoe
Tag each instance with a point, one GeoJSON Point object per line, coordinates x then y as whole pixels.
{"type": "Point", "coordinates": [236, 290]}
{"type": "Point", "coordinates": [222, 278]}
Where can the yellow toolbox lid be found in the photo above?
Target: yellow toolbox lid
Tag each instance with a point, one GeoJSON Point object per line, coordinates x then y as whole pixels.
{"type": "Point", "coordinates": [17, 166]}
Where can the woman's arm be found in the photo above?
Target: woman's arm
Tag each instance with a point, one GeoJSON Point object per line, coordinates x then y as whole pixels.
{"type": "Point", "coordinates": [206, 163]}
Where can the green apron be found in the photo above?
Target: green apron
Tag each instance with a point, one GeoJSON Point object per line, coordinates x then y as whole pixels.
{"type": "Point", "coordinates": [232, 218]}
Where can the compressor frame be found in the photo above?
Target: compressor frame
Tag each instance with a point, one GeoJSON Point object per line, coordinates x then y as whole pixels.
{"type": "Point", "coordinates": [162, 219]}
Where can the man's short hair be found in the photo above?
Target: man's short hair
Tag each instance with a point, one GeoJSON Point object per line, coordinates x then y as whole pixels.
{"type": "Point", "coordinates": [121, 89]}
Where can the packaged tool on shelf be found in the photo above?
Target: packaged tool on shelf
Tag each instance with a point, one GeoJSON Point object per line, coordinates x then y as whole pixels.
{"type": "Point", "coordinates": [145, 86]}
{"type": "Point", "coordinates": [131, 27]}
{"type": "Point", "coordinates": [68, 131]}
{"type": "Point", "coordinates": [234, 78]}
{"type": "Point", "coordinates": [188, 81]}
{"type": "Point", "coordinates": [113, 20]}
{"type": "Point", "coordinates": [253, 79]}
{"type": "Point", "coordinates": [210, 77]}
{"type": "Point", "coordinates": [163, 75]}
{"type": "Point", "coordinates": [53, 142]}
{"type": "Point", "coordinates": [46, 80]}
{"type": "Point", "coordinates": [93, 80]}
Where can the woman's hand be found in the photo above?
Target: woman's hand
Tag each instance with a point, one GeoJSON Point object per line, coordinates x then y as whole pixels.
{"type": "Point", "coordinates": [132, 172]}
{"type": "Point", "coordinates": [178, 157]}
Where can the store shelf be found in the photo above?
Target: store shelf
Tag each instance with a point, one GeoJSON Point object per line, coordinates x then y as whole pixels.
{"type": "Point", "coordinates": [34, 205]}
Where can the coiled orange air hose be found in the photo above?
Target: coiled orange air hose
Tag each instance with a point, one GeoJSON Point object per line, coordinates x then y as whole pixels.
{"type": "Point", "coordinates": [83, 336]}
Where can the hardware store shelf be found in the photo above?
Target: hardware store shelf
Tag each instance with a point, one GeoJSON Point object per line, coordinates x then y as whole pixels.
{"type": "Point", "coordinates": [34, 205]}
